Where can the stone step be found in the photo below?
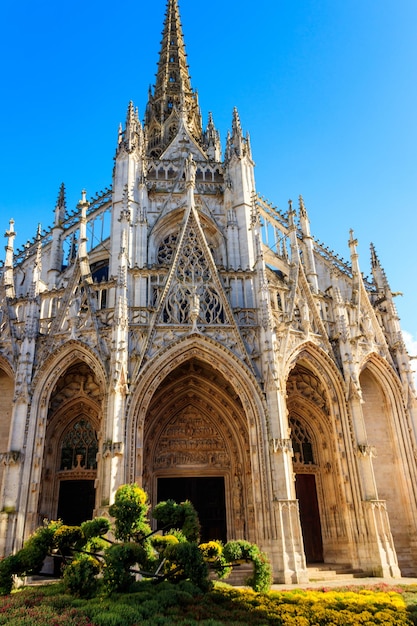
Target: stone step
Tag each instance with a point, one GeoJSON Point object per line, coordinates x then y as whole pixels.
{"type": "Point", "coordinates": [332, 571]}
{"type": "Point", "coordinates": [238, 575]}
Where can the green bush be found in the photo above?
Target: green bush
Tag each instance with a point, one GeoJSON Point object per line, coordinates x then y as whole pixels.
{"type": "Point", "coordinates": [8, 567]}
{"type": "Point", "coordinates": [181, 516]}
{"type": "Point", "coordinates": [241, 550]}
{"type": "Point", "coordinates": [119, 559]}
{"type": "Point", "coordinates": [130, 510]}
{"type": "Point", "coordinates": [213, 555]}
{"type": "Point", "coordinates": [97, 527]}
{"type": "Point", "coordinates": [80, 576]}
{"type": "Point", "coordinates": [68, 538]}
{"type": "Point", "coordinates": [189, 563]}
{"type": "Point", "coordinates": [30, 558]}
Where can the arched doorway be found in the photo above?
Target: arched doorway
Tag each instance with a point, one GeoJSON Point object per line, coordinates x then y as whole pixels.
{"type": "Point", "coordinates": [196, 447]}
{"type": "Point", "coordinates": [69, 469]}
{"type": "Point", "coordinates": [318, 481]}
{"type": "Point", "coordinates": [77, 473]}
{"type": "Point", "coordinates": [306, 490]}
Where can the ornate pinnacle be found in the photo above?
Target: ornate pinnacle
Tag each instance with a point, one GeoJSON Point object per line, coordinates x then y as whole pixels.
{"type": "Point", "coordinates": [132, 137]}
{"type": "Point", "coordinates": [301, 207]}
{"type": "Point", "coordinates": [236, 125]}
{"type": "Point", "coordinates": [61, 206]}
{"type": "Point", "coordinates": [378, 272]}
{"type": "Point", "coordinates": [212, 139]}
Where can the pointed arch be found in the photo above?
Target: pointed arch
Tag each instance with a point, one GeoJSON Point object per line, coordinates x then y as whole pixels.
{"type": "Point", "coordinates": [388, 427]}
{"type": "Point", "coordinates": [58, 361]}
{"type": "Point", "coordinates": [169, 225]}
{"type": "Point", "coordinates": [169, 396]}
{"type": "Point", "coordinates": [70, 385]}
{"type": "Point", "coordinates": [319, 422]}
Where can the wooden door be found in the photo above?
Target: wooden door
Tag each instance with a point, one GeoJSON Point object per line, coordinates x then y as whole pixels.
{"type": "Point", "coordinates": [305, 486]}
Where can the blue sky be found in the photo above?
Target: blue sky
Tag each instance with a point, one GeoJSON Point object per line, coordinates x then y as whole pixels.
{"type": "Point", "coordinates": [326, 88]}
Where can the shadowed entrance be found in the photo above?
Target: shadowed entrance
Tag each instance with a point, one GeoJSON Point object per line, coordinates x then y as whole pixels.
{"type": "Point", "coordinates": [76, 501]}
{"type": "Point", "coordinates": [208, 497]}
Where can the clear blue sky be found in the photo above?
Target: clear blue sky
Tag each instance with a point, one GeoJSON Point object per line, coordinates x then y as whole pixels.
{"type": "Point", "coordinates": [326, 88]}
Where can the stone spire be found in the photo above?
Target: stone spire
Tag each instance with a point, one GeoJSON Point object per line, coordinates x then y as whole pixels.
{"type": "Point", "coordinates": [172, 97]}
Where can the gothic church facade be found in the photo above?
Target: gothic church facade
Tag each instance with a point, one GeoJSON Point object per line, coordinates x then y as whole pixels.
{"type": "Point", "coordinates": [180, 332]}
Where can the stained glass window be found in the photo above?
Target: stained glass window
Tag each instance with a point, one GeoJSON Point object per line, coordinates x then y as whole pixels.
{"type": "Point", "coordinates": [81, 440]}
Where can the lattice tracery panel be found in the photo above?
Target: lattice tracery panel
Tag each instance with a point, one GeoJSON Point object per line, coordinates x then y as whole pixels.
{"type": "Point", "coordinates": [81, 440]}
{"type": "Point", "coordinates": [192, 291]}
{"type": "Point", "coordinates": [301, 442]}
{"type": "Point", "coordinates": [166, 249]}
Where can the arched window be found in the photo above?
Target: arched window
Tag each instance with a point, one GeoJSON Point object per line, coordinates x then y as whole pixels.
{"type": "Point", "coordinates": [79, 447]}
{"type": "Point", "coordinates": [301, 443]}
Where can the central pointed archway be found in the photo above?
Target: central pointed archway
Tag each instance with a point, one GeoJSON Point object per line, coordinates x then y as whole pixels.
{"type": "Point", "coordinates": [196, 447]}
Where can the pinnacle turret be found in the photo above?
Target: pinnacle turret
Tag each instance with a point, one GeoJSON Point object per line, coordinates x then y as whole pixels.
{"type": "Point", "coordinates": [173, 97]}
{"type": "Point", "coordinates": [132, 137]}
{"type": "Point", "coordinates": [8, 276]}
{"type": "Point", "coordinates": [237, 144]}
{"type": "Point", "coordinates": [61, 206]}
{"type": "Point", "coordinates": [378, 272]}
{"type": "Point", "coordinates": [212, 140]}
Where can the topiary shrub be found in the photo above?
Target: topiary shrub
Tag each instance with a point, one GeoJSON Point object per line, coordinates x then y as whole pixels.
{"type": "Point", "coordinates": [162, 542]}
{"type": "Point", "coordinates": [189, 563]}
{"type": "Point", "coordinates": [30, 558]}
{"type": "Point", "coordinates": [238, 550]}
{"type": "Point", "coordinates": [130, 509]}
{"type": "Point", "coordinates": [97, 527]}
{"type": "Point", "coordinates": [118, 560]}
{"type": "Point", "coordinates": [182, 516]}
{"type": "Point", "coordinates": [211, 550]}
{"type": "Point", "coordinates": [68, 538]}
{"type": "Point", "coordinates": [261, 579]}
{"type": "Point", "coordinates": [80, 576]}
{"type": "Point", "coordinates": [241, 550]}
{"type": "Point", "coordinates": [213, 555]}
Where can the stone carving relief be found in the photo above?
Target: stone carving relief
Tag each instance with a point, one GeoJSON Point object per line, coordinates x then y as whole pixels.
{"type": "Point", "coordinates": [190, 439]}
